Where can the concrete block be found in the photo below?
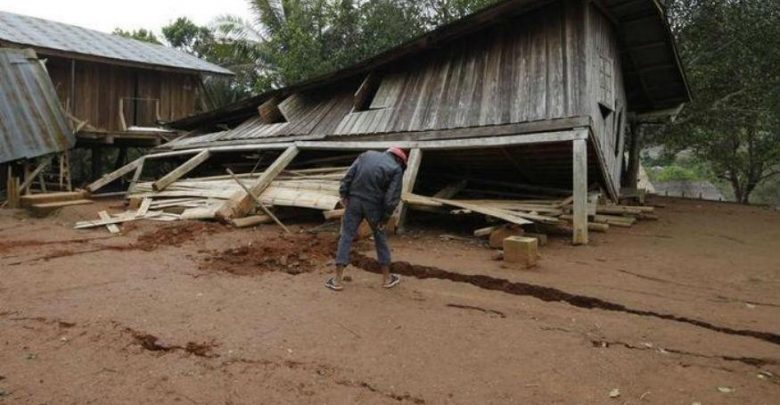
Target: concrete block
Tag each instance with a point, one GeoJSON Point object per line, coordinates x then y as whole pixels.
{"type": "Point", "coordinates": [497, 236]}
{"type": "Point", "coordinates": [521, 251]}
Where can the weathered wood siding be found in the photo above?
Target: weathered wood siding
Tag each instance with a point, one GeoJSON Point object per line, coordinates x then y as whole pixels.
{"type": "Point", "coordinates": [605, 95]}
{"type": "Point", "coordinates": [99, 87]}
{"type": "Point", "coordinates": [528, 70]}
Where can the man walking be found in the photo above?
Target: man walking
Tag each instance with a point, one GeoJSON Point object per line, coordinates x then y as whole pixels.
{"type": "Point", "coordinates": [371, 190]}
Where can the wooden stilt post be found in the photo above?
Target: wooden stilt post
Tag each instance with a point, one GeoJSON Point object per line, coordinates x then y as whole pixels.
{"type": "Point", "coordinates": [410, 178]}
{"type": "Point", "coordinates": [580, 191]}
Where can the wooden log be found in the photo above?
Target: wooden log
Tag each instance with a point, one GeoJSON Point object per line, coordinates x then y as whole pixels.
{"type": "Point", "coordinates": [243, 202]}
{"type": "Point", "coordinates": [409, 180]}
{"type": "Point", "coordinates": [333, 214]}
{"type": "Point", "coordinates": [580, 188]}
{"type": "Point", "coordinates": [199, 213]}
{"type": "Point", "coordinates": [497, 237]}
{"type": "Point", "coordinates": [31, 199]}
{"type": "Point", "coordinates": [251, 220]}
{"type": "Point", "coordinates": [12, 190]}
{"type": "Point", "coordinates": [180, 171]}
{"type": "Point", "coordinates": [486, 231]}
{"type": "Point", "coordinates": [592, 226]}
{"type": "Point", "coordinates": [622, 209]}
{"type": "Point", "coordinates": [614, 220]}
{"type": "Point", "coordinates": [110, 177]}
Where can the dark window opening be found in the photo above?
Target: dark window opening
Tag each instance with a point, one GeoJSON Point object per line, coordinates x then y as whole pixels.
{"type": "Point", "coordinates": [618, 133]}
{"type": "Point", "coordinates": [365, 94]}
{"type": "Point", "coordinates": [270, 113]}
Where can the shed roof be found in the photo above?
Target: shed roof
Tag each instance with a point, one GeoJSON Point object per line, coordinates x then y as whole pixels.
{"type": "Point", "coordinates": [46, 35]}
{"type": "Point", "coordinates": [32, 121]}
{"type": "Point", "coordinates": [654, 76]}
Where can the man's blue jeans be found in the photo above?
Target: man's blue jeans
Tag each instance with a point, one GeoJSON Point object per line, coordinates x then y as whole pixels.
{"type": "Point", "coordinates": [356, 211]}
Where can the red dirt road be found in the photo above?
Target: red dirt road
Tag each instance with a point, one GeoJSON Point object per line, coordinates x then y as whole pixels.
{"type": "Point", "coordinates": [677, 311]}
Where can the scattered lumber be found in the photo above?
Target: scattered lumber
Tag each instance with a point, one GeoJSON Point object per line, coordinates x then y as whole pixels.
{"type": "Point", "coordinates": [112, 228]}
{"type": "Point", "coordinates": [258, 202]}
{"type": "Point", "coordinates": [116, 219]}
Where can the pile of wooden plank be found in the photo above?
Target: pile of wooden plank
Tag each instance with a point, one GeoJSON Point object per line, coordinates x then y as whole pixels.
{"type": "Point", "coordinates": [553, 215]}
{"type": "Point", "coordinates": [204, 197]}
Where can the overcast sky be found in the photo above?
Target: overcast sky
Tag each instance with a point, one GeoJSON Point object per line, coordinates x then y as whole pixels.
{"type": "Point", "coordinates": [105, 15]}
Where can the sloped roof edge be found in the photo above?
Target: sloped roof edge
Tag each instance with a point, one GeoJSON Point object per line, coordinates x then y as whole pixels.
{"type": "Point", "coordinates": [45, 35]}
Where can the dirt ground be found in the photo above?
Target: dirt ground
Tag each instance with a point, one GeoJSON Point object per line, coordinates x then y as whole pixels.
{"type": "Point", "coordinates": [682, 310]}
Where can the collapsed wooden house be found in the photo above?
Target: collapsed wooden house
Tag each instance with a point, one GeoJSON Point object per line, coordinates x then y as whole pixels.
{"type": "Point", "coordinates": [117, 91]}
{"type": "Point", "coordinates": [530, 95]}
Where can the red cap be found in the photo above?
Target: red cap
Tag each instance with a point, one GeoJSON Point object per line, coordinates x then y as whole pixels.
{"type": "Point", "coordinates": [398, 152]}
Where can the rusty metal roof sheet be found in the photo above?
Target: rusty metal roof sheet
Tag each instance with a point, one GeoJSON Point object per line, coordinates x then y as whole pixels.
{"type": "Point", "coordinates": [44, 34]}
{"type": "Point", "coordinates": [32, 120]}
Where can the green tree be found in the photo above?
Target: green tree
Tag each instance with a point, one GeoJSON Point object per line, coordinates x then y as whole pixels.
{"type": "Point", "coordinates": [140, 34]}
{"type": "Point", "coordinates": [185, 35]}
{"type": "Point", "coordinates": [293, 40]}
{"type": "Point", "coordinates": [731, 52]}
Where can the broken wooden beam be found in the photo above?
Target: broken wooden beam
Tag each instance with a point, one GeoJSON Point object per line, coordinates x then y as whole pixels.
{"type": "Point", "coordinates": [110, 177]}
{"type": "Point", "coordinates": [242, 202]}
{"type": "Point", "coordinates": [180, 171]}
{"type": "Point", "coordinates": [409, 179]}
{"type": "Point", "coordinates": [258, 202]}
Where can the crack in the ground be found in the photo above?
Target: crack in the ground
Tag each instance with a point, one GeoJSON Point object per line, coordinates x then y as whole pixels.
{"type": "Point", "coordinates": [391, 395]}
{"type": "Point", "coordinates": [155, 344]}
{"type": "Point", "coordinates": [751, 361]}
{"type": "Point", "coordinates": [547, 294]}
{"type": "Point", "coordinates": [480, 309]}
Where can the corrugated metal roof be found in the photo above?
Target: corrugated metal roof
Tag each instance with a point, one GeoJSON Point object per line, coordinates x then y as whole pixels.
{"type": "Point", "coordinates": [40, 33]}
{"type": "Point", "coordinates": [32, 121]}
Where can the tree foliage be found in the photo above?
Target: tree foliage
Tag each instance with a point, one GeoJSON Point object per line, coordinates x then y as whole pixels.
{"type": "Point", "coordinates": [731, 53]}
{"type": "Point", "coordinates": [140, 34]}
{"type": "Point", "coordinates": [292, 40]}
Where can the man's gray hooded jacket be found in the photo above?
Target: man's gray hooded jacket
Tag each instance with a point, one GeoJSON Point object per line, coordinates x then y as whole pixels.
{"type": "Point", "coordinates": [376, 178]}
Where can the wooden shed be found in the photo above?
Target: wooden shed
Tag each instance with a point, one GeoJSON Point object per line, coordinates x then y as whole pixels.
{"type": "Point", "coordinates": [531, 92]}
{"type": "Point", "coordinates": [117, 90]}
